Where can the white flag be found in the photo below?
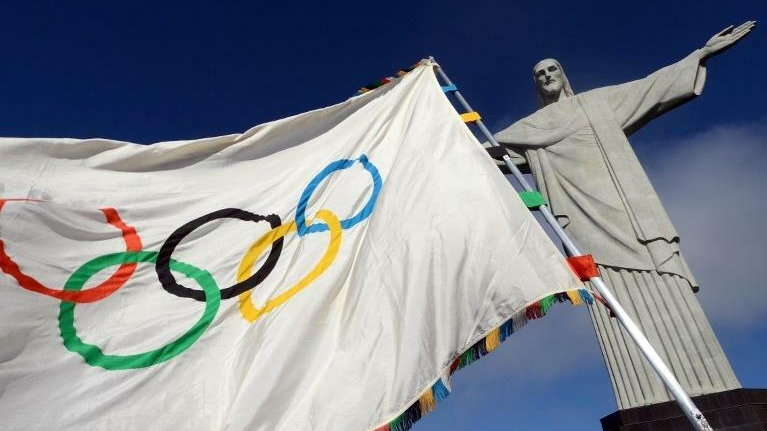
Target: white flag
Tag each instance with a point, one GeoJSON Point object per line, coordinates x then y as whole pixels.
{"type": "Point", "coordinates": [325, 271]}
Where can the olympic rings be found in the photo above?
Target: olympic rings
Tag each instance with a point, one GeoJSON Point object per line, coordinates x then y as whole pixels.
{"type": "Point", "coordinates": [163, 258]}
{"type": "Point", "coordinates": [73, 293]}
{"type": "Point", "coordinates": [338, 165]}
{"type": "Point", "coordinates": [94, 355]}
{"type": "Point", "coordinates": [106, 288]}
{"type": "Point", "coordinates": [247, 309]}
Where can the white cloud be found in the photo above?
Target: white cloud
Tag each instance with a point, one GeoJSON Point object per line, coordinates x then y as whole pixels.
{"type": "Point", "coordinates": [714, 186]}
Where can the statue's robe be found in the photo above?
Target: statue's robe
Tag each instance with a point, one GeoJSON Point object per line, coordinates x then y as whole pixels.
{"type": "Point", "coordinates": [583, 164]}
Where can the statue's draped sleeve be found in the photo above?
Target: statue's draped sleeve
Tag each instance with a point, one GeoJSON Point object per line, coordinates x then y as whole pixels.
{"type": "Point", "coordinates": [547, 126]}
{"type": "Point", "coordinates": [635, 103]}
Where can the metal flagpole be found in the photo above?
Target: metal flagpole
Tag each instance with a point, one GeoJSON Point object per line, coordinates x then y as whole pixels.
{"type": "Point", "coordinates": [688, 407]}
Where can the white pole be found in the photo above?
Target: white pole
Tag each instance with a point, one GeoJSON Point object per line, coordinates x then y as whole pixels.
{"type": "Point", "coordinates": [685, 403]}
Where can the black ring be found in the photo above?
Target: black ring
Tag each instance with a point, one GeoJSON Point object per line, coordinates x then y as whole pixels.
{"type": "Point", "coordinates": [168, 281]}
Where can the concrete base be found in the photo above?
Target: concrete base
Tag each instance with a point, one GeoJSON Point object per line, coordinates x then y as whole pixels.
{"type": "Point", "coordinates": [735, 410]}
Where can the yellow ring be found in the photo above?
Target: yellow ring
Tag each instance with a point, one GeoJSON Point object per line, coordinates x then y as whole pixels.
{"type": "Point", "coordinates": [247, 309]}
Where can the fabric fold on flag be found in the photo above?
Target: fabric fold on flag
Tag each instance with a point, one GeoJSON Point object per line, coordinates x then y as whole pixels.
{"type": "Point", "coordinates": [326, 271]}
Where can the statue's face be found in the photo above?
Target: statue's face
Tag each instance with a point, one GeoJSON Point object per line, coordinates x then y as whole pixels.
{"type": "Point", "coordinates": [548, 78]}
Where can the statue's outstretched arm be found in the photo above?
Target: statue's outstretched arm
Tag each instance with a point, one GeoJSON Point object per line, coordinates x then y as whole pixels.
{"type": "Point", "coordinates": [636, 103]}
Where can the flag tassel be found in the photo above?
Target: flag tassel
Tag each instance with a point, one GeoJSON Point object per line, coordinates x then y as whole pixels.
{"type": "Point", "coordinates": [437, 392]}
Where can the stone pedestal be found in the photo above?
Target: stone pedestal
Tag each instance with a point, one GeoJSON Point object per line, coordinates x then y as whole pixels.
{"type": "Point", "coordinates": [734, 410]}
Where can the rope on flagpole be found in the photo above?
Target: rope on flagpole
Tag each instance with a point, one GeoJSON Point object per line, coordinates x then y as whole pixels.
{"type": "Point", "coordinates": [683, 399]}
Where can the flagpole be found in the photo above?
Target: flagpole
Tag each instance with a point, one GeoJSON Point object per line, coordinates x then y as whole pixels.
{"type": "Point", "coordinates": [685, 402]}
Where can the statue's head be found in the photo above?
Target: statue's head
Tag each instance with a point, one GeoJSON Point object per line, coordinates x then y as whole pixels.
{"type": "Point", "coordinates": [551, 81]}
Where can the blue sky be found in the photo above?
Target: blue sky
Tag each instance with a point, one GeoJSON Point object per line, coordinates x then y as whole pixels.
{"type": "Point", "coordinates": [154, 71]}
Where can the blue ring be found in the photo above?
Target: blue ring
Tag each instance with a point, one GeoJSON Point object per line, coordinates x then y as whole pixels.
{"type": "Point", "coordinates": [338, 165]}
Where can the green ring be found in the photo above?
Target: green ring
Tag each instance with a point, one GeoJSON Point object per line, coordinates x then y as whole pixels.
{"type": "Point", "coordinates": [93, 355]}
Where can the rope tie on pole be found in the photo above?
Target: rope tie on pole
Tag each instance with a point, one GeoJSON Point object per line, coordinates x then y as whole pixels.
{"type": "Point", "coordinates": [496, 152]}
{"type": "Point", "coordinates": [449, 88]}
{"type": "Point", "coordinates": [532, 199]}
{"type": "Point", "coordinates": [583, 266]}
{"type": "Point", "coordinates": [470, 117]}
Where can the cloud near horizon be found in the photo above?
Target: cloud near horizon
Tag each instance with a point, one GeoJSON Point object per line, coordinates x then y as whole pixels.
{"type": "Point", "coordinates": [714, 187]}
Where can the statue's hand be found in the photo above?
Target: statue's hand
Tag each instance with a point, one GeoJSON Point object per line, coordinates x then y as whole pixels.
{"type": "Point", "coordinates": [726, 38]}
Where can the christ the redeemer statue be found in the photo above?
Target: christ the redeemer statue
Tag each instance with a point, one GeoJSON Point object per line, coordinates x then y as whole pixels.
{"type": "Point", "coordinates": [576, 148]}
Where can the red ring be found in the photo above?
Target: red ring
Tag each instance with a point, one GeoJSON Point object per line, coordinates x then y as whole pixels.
{"type": "Point", "coordinates": [106, 288]}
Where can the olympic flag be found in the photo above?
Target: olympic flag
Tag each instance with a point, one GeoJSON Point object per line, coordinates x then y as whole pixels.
{"type": "Point", "coordinates": [326, 271]}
